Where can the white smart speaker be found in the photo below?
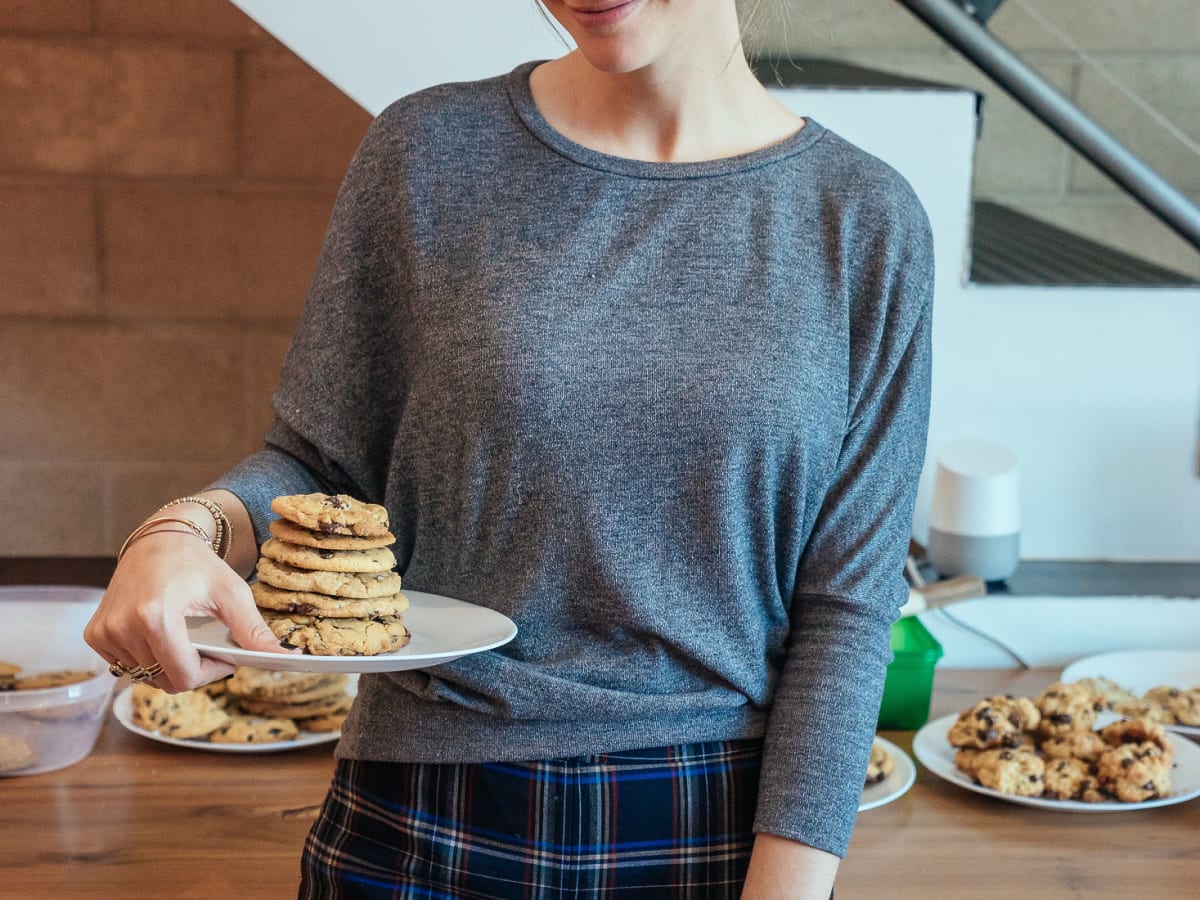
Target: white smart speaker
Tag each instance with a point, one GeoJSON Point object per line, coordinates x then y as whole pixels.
{"type": "Point", "coordinates": [974, 523]}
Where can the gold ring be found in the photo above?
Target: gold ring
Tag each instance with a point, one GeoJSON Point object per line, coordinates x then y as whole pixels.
{"type": "Point", "coordinates": [118, 669]}
{"type": "Point", "coordinates": [145, 673]}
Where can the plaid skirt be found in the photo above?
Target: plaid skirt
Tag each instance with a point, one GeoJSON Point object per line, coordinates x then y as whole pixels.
{"type": "Point", "coordinates": [672, 822]}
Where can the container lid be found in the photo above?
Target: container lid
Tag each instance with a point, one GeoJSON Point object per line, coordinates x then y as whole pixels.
{"type": "Point", "coordinates": [912, 640]}
{"type": "Point", "coordinates": [43, 632]}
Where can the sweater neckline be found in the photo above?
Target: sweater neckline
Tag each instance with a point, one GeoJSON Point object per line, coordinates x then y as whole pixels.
{"type": "Point", "coordinates": [517, 84]}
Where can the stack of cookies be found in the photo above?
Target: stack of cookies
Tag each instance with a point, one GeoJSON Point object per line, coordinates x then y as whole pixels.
{"type": "Point", "coordinates": [253, 706]}
{"type": "Point", "coordinates": [326, 580]}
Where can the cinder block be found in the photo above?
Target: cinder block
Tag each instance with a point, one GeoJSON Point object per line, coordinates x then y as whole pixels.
{"type": "Point", "coordinates": [48, 259]}
{"type": "Point", "coordinates": [69, 500]}
{"type": "Point", "coordinates": [283, 99]}
{"type": "Point", "coordinates": [118, 110]}
{"type": "Point", "coordinates": [805, 28]}
{"type": "Point", "coordinates": [45, 15]}
{"type": "Point", "coordinates": [98, 393]}
{"type": "Point", "coordinates": [211, 20]}
{"type": "Point", "coordinates": [1168, 84]}
{"type": "Point", "coordinates": [1098, 25]}
{"type": "Point", "coordinates": [168, 112]}
{"type": "Point", "coordinates": [239, 255]}
{"type": "Point", "coordinates": [46, 106]}
{"type": "Point", "coordinates": [139, 488]}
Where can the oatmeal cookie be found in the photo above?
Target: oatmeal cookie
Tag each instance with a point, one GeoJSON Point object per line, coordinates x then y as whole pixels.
{"type": "Point", "coordinates": [379, 559]}
{"type": "Point", "coordinates": [994, 722]}
{"type": "Point", "coordinates": [1066, 779]}
{"type": "Point", "coordinates": [1137, 731]}
{"type": "Point", "coordinates": [881, 765]}
{"type": "Point", "coordinates": [1011, 771]}
{"type": "Point", "coordinates": [1134, 773]}
{"type": "Point", "coordinates": [1186, 707]}
{"type": "Point", "coordinates": [1080, 745]}
{"type": "Point", "coordinates": [16, 753]}
{"type": "Point", "coordinates": [333, 514]}
{"type": "Point", "coordinates": [1112, 693]}
{"type": "Point", "coordinates": [1067, 707]}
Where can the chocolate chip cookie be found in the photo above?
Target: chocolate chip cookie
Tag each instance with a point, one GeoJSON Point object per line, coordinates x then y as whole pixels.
{"type": "Point", "coordinates": [248, 729]}
{"type": "Point", "coordinates": [297, 534]}
{"type": "Point", "coordinates": [333, 514]}
{"type": "Point", "coordinates": [376, 559]}
{"type": "Point", "coordinates": [309, 604]}
{"type": "Point", "coordinates": [325, 636]}
{"type": "Point", "coordinates": [358, 585]}
{"type": "Point", "coordinates": [190, 714]}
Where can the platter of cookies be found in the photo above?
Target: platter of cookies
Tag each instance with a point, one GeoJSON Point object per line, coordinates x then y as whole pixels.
{"type": "Point", "coordinates": [890, 773]}
{"type": "Point", "coordinates": [252, 711]}
{"type": "Point", "coordinates": [1160, 685]}
{"type": "Point", "coordinates": [326, 584]}
{"type": "Point", "coordinates": [1062, 750]}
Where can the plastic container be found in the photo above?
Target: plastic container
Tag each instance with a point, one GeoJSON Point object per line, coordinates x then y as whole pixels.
{"type": "Point", "coordinates": [908, 687]}
{"type": "Point", "coordinates": [50, 728]}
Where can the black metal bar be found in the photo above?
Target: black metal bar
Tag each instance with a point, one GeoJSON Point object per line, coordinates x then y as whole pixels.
{"type": "Point", "coordinates": [1062, 116]}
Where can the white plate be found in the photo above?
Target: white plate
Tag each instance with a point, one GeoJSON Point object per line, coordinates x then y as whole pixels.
{"type": "Point", "coordinates": [442, 629]}
{"type": "Point", "coordinates": [893, 787]}
{"type": "Point", "coordinates": [123, 710]}
{"type": "Point", "coordinates": [1140, 670]}
{"type": "Point", "coordinates": [932, 748]}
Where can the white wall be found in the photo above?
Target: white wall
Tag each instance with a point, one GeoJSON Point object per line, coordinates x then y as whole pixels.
{"type": "Point", "coordinates": [1098, 391]}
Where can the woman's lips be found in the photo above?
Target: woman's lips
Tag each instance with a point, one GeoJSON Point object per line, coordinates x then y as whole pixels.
{"type": "Point", "coordinates": [604, 15]}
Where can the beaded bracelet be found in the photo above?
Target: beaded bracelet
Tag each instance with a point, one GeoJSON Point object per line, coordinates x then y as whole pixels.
{"type": "Point", "coordinates": [140, 531]}
{"type": "Point", "coordinates": [223, 540]}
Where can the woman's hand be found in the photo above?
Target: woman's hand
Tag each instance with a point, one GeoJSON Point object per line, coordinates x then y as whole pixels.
{"type": "Point", "coordinates": [164, 577]}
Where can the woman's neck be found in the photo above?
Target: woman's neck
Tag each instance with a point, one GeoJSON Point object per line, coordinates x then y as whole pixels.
{"type": "Point", "coordinates": [675, 111]}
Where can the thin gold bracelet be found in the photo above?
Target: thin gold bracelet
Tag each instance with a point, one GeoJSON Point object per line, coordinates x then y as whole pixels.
{"type": "Point", "coordinates": [223, 539]}
{"type": "Point", "coordinates": [149, 523]}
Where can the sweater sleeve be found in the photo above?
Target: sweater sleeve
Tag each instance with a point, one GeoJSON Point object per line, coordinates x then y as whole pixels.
{"type": "Point", "coordinates": [331, 430]}
{"type": "Point", "coordinates": [850, 584]}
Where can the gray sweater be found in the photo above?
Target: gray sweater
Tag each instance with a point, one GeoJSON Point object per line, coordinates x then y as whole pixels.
{"type": "Point", "coordinates": [668, 417]}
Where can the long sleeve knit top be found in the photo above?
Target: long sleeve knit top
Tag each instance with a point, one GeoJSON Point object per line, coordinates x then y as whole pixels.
{"type": "Point", "coordinates": [668, 417]}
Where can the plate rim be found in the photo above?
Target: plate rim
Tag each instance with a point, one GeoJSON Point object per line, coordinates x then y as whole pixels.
{"type": "Point", "coordinates": [908, 777]}
{"type": "Point", "coordinates": [122, 708]}
{"type": "Point", "coordinates": [933, 735]}
{"type": "Point", "coordinates": [1095, 658]}
{"type": "Point", "coordinates": [399, 660]}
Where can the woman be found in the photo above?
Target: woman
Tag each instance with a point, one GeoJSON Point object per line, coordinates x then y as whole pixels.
{"type": "Point", "coordinates": [640, 359]}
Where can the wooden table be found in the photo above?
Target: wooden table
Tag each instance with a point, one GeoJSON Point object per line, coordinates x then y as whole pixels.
{"type": "Point", "coordinates": [140, 819]}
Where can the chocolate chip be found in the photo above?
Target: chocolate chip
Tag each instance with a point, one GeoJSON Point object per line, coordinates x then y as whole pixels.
{"type": "Point", "coordinates": [325, 554]}
{"type": "Point", "coordinates": [335, 501]}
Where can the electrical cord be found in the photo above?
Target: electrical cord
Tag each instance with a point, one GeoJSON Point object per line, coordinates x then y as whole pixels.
{"type": "Point", "coordinates": [991, 639]}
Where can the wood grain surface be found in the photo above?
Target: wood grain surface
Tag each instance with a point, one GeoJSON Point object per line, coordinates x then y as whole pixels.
{"type": "Point", "coordinates": [139, 819]}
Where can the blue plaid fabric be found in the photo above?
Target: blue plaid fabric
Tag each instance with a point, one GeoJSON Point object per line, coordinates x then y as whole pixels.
{"type": "Point", "coordinates": [671, 823]}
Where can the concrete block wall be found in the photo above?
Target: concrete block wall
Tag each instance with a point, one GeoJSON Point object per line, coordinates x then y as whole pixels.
{"type": "Point", "coordinates": [166, 174]}
{"type": "Point", "coordinates": [1150, 46]}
